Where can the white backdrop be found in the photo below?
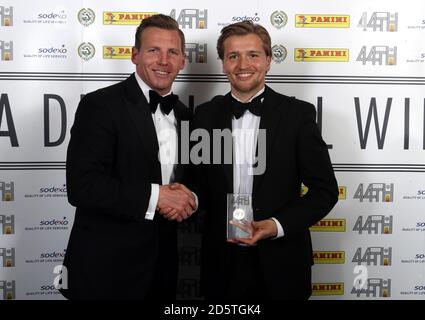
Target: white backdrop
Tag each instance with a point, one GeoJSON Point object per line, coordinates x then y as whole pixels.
{"type": "Point", "coordinates": [360, 62]}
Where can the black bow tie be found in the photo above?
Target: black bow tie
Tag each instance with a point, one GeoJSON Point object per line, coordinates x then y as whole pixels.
{"type": "Point", "coordinates": [166, 103]}
{"type": "Point", "coordinates": [239, 108]}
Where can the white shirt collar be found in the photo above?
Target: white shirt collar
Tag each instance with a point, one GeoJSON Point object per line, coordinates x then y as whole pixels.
{"type": "Point", "coordinates": [254, 96]}
{"type": "Point", "coordinates": [145, 88]}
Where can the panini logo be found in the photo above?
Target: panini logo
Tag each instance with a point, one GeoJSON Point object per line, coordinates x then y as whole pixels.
{"type": "Point", "coordinates": [329, 257]}
{"type": "Point", "coordinates": [125, 18]}
{"type": "Point", "coordinates": [328, 289]}
{"type": "Point", "coordinates": [117, 52]}
{"type": "Point", "coordinates": [329, 225]}
{"type": "Point", "coordinates": [342, 195]}
{"type": "Point", "coordinates": [321, 21]}
{"type": "Point", "coordinates": [321, 55]}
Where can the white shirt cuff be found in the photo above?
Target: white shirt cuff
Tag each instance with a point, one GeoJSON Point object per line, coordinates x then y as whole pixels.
{"type": "Point", "coordinates": [280, 232]}
{"type": "Point", "coordinates": [196, 201]}
{"type": "Point", "coordinates": [153, 201]}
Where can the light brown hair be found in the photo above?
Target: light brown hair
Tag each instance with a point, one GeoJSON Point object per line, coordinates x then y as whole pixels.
{"type": "Point", "coordinates": [241, 29]}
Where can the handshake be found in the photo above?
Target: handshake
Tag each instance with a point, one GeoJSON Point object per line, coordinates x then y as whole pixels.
{"type": "Point", "coordinates": [176, 202]}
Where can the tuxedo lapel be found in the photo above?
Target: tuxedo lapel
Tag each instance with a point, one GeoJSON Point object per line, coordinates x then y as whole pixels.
{"type": "Point", "coordinates": [183, 116]}
{"type": "Point", "coordinates": [140, 113]}
{"type": "Point", "coordinates": [224, 120]}
{"type": "Point", "coordinates": [270, 119]}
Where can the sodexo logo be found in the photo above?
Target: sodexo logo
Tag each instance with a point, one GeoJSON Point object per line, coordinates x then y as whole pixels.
{"type": "Point", "coordinates": [52, 255]}
{"type": "Point", "coordinates": [52, 15]}
{"type": "Point", "coordinates": [53, 50]}
{"type": "Point", "coordinates": [49, 52]}
{"type": "Point", "coordinates": [255, 18]}
{"type": "Point", "coordinates": [47, 17]}
{"type": "Point", "coordinates": [61, 189]}
{"type": "Point", "coordinates": [54, 222]}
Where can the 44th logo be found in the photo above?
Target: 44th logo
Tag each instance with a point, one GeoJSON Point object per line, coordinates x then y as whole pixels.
{"type": "Point", "coordinates": [373, 256]}
{"type": "Point", "coordinates": [379, 21]}
{"type": "Point", "coordinates": [375, 192]}
{"type": "Point", "coordinates": [381, 55]}
{"type": "Point", "coordinates": [374, 224]}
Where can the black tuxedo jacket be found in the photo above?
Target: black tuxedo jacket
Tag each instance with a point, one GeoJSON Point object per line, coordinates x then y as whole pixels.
{"type": "Point", "coordinates": [112, 160]}
{"type": "Point", "coordinates": [295, 154]}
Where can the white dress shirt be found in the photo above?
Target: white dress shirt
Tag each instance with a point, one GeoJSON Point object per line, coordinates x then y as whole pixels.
{"type": "Point", "coordinates": [165, 127]}
{"type": "Point", "coordinates": [245, 133]}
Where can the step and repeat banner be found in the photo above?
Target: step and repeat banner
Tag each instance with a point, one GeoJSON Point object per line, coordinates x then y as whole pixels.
{"type": "Point", "coordinates": [361, 63]}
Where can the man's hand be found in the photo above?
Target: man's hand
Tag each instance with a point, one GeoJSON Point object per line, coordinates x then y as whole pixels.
{"type": "Point", "coordinates": [261, 230]}
{"type": "Point", "coordinates": [175, 202]}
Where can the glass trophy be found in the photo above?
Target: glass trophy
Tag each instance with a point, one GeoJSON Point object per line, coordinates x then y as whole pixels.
{"type": "Point", "coordinates": [239, 215]}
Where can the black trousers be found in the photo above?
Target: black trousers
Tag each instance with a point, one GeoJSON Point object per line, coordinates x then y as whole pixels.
{"type": "Point", "coordinates": [245, 279]}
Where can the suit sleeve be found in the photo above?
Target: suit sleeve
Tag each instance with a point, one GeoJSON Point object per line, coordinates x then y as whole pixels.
{"type": "Point", "coordinates": [316, 173]}
{"type": "Point", "coordinates": [92, 182]}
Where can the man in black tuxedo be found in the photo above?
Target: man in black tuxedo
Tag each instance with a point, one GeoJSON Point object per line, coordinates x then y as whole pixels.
{"type": "Point", "coordinates": [275, 263]}
{"type": "Point", "coordinates": [120, 162]}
